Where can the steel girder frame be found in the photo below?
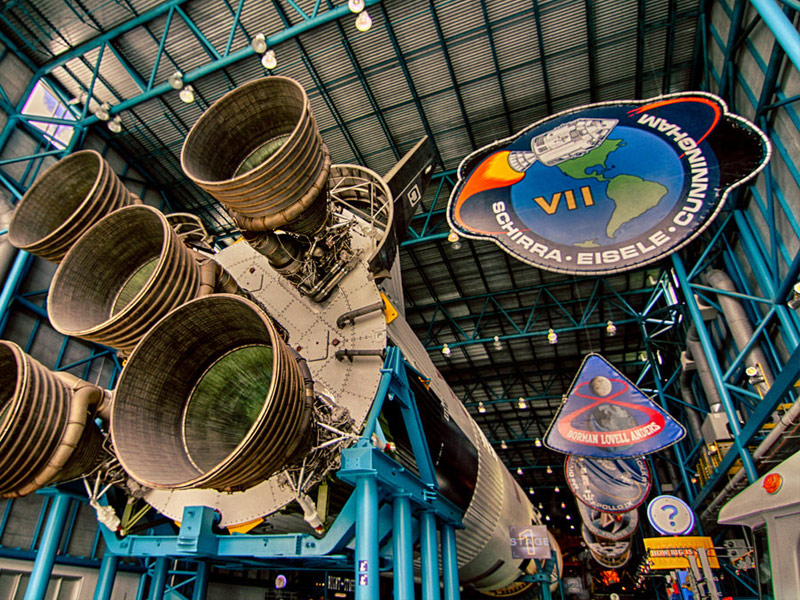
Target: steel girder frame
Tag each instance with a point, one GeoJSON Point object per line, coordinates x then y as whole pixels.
{"type": "Point", "coordinates": [757, 244]}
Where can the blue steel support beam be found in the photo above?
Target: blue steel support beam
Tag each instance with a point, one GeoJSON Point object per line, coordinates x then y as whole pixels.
{"type": "Point", "coordinates": [46, 556]}
{"type": "Point", "coordinates": [105, 579]}
{"type": "Point", "coordinates": [716, 373]}
{"type": "Point", "coordinates": [783, 383]}
{"type": "Point", "coordinates": [201, 581]}
{"type": "Point", "coordinates": [450, 563]}
{"type": "Point", "coordinates": [429, 555]}
{"type": "Point", "coordinates": [785, 32]}
{"type": "Point", "coordinates": [366, 568]}
{"type": "Point", "coordinates": [158, 581]}
{"type": "Point", "coordinates": [403, 547]}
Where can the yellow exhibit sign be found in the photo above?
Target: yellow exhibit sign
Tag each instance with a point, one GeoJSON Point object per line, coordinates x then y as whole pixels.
{"type": "Point", "coordinates": [672, 552]}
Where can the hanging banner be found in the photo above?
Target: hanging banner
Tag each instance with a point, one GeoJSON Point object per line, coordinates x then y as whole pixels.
{"type": "Point", "coordinates": [608, 485]}
{"type": "Point", "coordinates": [609, 526]}
{"type": "Point", "coordinates": [606, 416]}
{"type": "Point", "coordinates": [607, 187]}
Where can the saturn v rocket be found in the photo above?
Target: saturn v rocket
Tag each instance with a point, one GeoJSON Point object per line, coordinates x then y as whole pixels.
{"type": "Point", "coordinates": [248, 369]}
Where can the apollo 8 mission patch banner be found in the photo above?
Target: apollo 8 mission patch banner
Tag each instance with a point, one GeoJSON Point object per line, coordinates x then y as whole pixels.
{"type": "Point", "coordinates": [607, 187]}
{"type": "Point", "coordinates": [606, 416]}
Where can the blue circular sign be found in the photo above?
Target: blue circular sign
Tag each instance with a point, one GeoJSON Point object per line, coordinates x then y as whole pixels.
{"type": "Point", "coordinates": [670, 515]}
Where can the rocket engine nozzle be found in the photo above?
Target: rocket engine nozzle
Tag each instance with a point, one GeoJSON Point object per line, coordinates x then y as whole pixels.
{"type": "Point", "coordinates": [64, 202]}
{"type": "Point", "coordinates": [212, 397]}
{"type": "Point", "coordinates": [258, 151]}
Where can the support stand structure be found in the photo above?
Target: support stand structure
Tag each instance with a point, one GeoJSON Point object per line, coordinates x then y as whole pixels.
{"type": "Point", "coordinates": [389, 511]}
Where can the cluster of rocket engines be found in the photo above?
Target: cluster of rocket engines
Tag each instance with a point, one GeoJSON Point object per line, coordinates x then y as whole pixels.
{"type": "Point", "coordinates": [247, 369]}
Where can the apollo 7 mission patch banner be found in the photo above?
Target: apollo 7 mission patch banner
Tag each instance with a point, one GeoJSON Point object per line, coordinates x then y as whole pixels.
{"type": "Point", "coordinates": [607, 187]}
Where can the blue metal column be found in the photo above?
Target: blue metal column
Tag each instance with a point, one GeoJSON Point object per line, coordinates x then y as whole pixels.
{"type": "Point", "coordinates": [159, 579]}
{"type": "Point", "coordinates": [46, 555]}
{"type": "Point", "coordinates": [402, 548]}
{"type": "Point", "coordinates": [450, 563]}
{"type": "Point", "coordinates": [201, 581]}
{"type": "Point", "coordinates": [708, 348]}
{"type": "Point", "coordinates": [367, 584]}
{"type": "Point", "coordinates": [105, 579]}
{"type": "Point", "coordinates": [430, 555]}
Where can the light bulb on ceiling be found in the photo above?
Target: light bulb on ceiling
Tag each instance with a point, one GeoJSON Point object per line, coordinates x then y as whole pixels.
{"type": "Point", "coordinates": [481, 408]}
{"type": "Point", "coordinates": [611, 329]}
{"type": "Point", "coordinates": [498, 345]}
{"type": "Point", "coordinates": [537, 442]}
{"type": "Point", "coordinates": [503, 445]}
{"type": "Point", "coordinates": [363, 21]}
{"type": "Point", "coordinates": [355, 6]}
{"type": "Point", "coordinates": [531, 491]}
{"type": "Point", "coordinates": [187, 94]}
{"type": "Point", "coordinates": [552, 336]}
{"type": "Point", "coordinates": [269, 61]}
{"type": "Point", "coordinates": [557, 489]}
{"type": "Point", "coordinates": [259, 43]}
{"type": "Point", "coordinates": [540, 506]}
{"type": "Point", "coordinates": [572, 526]}
{"type": "Point", "coordinates": [115, 124]}
{"type": "Point", "coordinates": [563, 505]}
{"type": "Point", "coordinates": [519, 470]}
{"type": "Point", "coordinates": [569, 517]}
{"type": "Point", "coordinates": [547, 517]}
{"type": "Point", "coordinates": [549, 470]}
{"type": "Point", "coordinates": [446, 350]}
{"type": "Point", "coordinates": [175, 80]}
{"type": "Point", "coordinates": [521, 404]}
{"type": "Point", "coordinates": [103, 112]}
{"type": "Point", "coordinates": [454, 239]}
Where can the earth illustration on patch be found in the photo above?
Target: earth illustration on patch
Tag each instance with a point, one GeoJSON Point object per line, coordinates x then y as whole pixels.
{"type": "Point", "coordinates": [607, 187]}
{"type": "Point", "coordinates": [626, 197]}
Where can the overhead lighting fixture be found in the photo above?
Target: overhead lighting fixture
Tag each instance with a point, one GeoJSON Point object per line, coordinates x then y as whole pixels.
{"type": "Point", "coordinates": [552, 336]}
{"type": "Point", "coordinates": [187, 94]}
{"type": "Point", "coordinates": [754, 375]}
{"type": "Point", "coordinates": [537, 442]}
{"type": "Point", "coordinates": [79, 99]}
{"type": "Point", "coordinates": [531, 491]}
{"type": "Point", "coordinates": [519, 471]}
{"type": "Point", "coordinates": [498, 345]}
{"type": "Point", "coordinates": [794, 301]}
{"type": "Point", "coordinates": [115, 124]}
{"type": "Point", "coordinates": [549, 470]}
{"type": "Point", "coordinates": [455, 240]}
{"type": "Point", "coordinates": [547, 517]}
{"type": "Point", "coordinates": [363, 21]}
{"type": "Point", "coordinates": [446, 350]}
{"type": "Point", "coordinates": [611, 329]}
{"type": "Point", "coordinates": [521, 404]}
{"type": "Point", "coordinates": [569, 517]}
{"type": "Point", "coordinates": [572, 526]}
{"type": "Point", "coordinates": [269, 61]}
{"type": "Point", "coordinates": [503, 445]}
{"type": "Point", "coordinates": [175, 80]}
{"type": "Point", "coordinates": [259, 43]}
{"type": "Point", "coordinates": [540, 506]}
{"type": "Point", "coordinates": [481, 408]}
{"type": "Point", "coordinates": [563, 505]}
{"type": "Point", "coordinates": [356, 6]}
{"type": "Point", "coordinates": [103, 112]}
{"type": "Point", "coordinates": [557, 489]}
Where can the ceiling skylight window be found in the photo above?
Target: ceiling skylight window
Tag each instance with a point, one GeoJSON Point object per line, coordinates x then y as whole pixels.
{"type": "Point", "coordinates": [42, 102]}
